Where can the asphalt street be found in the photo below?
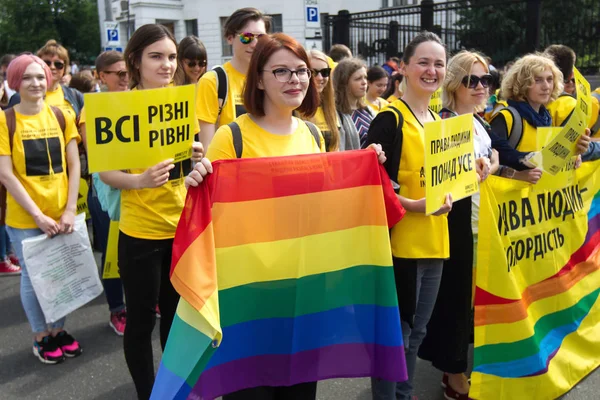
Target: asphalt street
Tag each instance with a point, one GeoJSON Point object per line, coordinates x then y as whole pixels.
{"type": "Point", "coordinates": [100, 372]}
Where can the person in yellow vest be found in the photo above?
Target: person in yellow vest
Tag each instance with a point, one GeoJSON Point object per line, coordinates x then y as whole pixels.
{"type": "Point", "coordinates": [419, 242]}
{"type": "Point", "coordinates": [377, 83]}
{"type": "Point", "coordinates": [531, 83]}
{"type": "Point", "coordinates": [326, 118]}
{"type": "Point", "coordinates": [562, 108]}
{"type": "Point", "coordinates": [242, 30]}
{"type": "Point", "coordinates": [151, 203]}
{"type": "Point", "coordinates": [279, 83]}
{"type": "Point", "coordinates": [39, 167]}
{"type": "Point", "coordinates": [394, 91]}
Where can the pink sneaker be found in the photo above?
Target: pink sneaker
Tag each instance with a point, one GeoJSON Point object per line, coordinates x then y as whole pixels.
{"type": "Point", "coordinates": [8, 269]}
{"type": "Point", "coordinates": [67, 343]}
{"type": "Point", "coordinates": [48, 351]}
{"type": "Point", "coordinates": [118, 321]}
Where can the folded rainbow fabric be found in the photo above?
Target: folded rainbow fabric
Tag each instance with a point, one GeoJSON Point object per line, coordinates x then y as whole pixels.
{"type": "Point", "coordinates": [285, 273]}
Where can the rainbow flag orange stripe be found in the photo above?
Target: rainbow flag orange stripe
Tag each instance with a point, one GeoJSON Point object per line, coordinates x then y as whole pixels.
{"type": "Point", "coordinates": [285, 274]}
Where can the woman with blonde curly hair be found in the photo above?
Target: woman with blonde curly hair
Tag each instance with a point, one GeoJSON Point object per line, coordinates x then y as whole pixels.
{"type": "Point", "coordinates": [531, 83]}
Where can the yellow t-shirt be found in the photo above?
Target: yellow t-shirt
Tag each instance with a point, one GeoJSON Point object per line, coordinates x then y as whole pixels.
{"type": "Point", "coordinates": [257, 142]}
{"type": "Point", "coordinates": [57, 98]}
{"type": "Point", "coordinates": [207, 99]}
{"type": "Point", "coordinates": [153, 213]}
{"type": "Point", "coordinates": [39, 163]}
{"type": "Point", "coordinates": [561, 108]}
{"type": "Point", "coordinates": [379, 105]}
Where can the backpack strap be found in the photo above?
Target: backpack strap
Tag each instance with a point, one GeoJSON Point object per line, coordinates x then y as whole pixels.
{"type": "Point", "coordinates": [394, 165]}
{"type": "Point", "coordinates": [11, 124]}
{"type": "Point", "coordinates": [314, 131]}
{"type": "Point", "coordinates": [596, 127]}
{"type": "Point", "coordinates": [516, 132]}
{"type": "Point", "coordinates": [236, 133]}
{"type": "Point", "coordinates": [222, 86]}
{"type": "Point", "coordinates": [60, 117]}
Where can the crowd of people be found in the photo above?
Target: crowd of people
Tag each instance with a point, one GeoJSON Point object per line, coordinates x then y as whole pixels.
{"type": "Point", "coordinates": [273, 98]}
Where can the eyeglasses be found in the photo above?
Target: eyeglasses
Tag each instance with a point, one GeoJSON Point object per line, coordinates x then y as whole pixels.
{"type": "Point", "coordinates": [57, 64]}
{"type": "Point", "coordinates": [247, 37]}
{"type": "Point", "coordinates": [471, 81]}
{"type": "Point", "coordinates": [285, 74]}
{"type": "Point", "coordinates": [193, 64]}
{"type": "Point", "coordinates": [121, 74]}
{"type": "Point", "coordinates": [567, 81]}
{"type": "Point", "coordinates": [325, 72]}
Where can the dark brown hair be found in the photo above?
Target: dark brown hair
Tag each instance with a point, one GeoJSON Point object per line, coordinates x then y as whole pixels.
{"type": "Point", "coordinates": [142, 38]}
{"type": "Point", "coordinates": [339, 51]}
{"type": "Point", "coordinates": [254, 98]}
{"type": "Point", "coordinates": [421, 37]}
{"type": "Point", "coordinates": [106, 59]}
{"type": "Point", "coordinates": [84, 82]}
{"type": "Point", "coordinates": [190, 48]}
{"type": "Point", "coordinates": [564, 58]}
{"type": "Point", "coordinates": [240, 18]}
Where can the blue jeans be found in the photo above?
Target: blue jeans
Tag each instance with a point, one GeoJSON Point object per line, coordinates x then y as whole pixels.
{"type": "Point", "coordinates": [113, 288]}
{"type": "Point", "coordinates": [4, 243]}
{"type": "Point", "coordinates": [32, 308]}
{"type": "Point", "coordinates": [429, 276]}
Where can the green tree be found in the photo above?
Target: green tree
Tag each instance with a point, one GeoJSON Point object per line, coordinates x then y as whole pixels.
{"type": "Point", "coordinates": [25, 25]}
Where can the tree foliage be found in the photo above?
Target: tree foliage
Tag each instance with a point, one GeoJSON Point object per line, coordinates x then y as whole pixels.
{"type": "Point", "coordinates": [25, 25]}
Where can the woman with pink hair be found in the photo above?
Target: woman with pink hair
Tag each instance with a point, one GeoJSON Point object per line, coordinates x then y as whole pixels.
{"type": "Point", "coordinates": [39, 167]}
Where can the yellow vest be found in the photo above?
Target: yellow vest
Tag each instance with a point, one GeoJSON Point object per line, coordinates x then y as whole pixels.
{"type": "Point", "coordinates": [561, 108]}
{"type": "Point", "coordinates": [416, 236]}
{"type": "Point", "coordinates": [529, 139]}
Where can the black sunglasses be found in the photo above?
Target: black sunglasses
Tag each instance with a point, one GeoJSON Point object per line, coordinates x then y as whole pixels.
{"type": "Point", "coordinates": [192, 64]}
{"type": "Point", "coordinates": [121, 74]}
{"type": "Point", "coordinates": [572, 80]}
{"type": "Point", "coordinates": [325, 72]}
{"type": "Point", "coordinates": [471, 81]}
{"type": "Point", "coordinates": [57, 64]}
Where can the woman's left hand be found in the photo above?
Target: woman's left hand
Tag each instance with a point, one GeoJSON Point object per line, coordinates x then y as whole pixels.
{"type": "Point", "coordinates": [583, 143]}
{"type": "Point", "coordinates": [379, 151]}
{"type": "Point", "coordinates": [197, 151]}
{"type": "Point", "coordinates": [482, 166]}
{"type": "Point", "coordinates": [201, 169]}
{"type": "Point", "coordinates": [67, 222]}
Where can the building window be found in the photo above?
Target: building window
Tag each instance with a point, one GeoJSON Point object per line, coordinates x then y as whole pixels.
{"type": "Point", "coordinates": [397, 3]}
{"type": "Point", "coordinates": [191, 27]}
{"type": "Point", "coordinates": [226, 49]}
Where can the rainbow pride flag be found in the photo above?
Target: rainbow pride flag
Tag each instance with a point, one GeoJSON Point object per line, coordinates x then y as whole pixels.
{"type": "Point", "coordinates": [285, 273]}
{"type": "Point", "coordinates": [537, 314]}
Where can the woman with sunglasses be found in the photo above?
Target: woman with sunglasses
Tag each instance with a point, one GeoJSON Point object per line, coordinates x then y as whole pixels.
{"type": "Point", "coordinates": [350, 83]}
{"type": "Point", "coordinates": [325, 118]}
{"type": "Point", "coordinates": [39, 167]}
{"type": "Point", "coordinates": [104, 201]}
{"type": "Point", "coordinates": [151, 203]}
{"type": "Point", "coordinates": [191, 56]}
{"type": "Point", "coordinates": [242, 30]}
{"type": "Point", "coordinates": [279, 83]}
{"type": "Point", "coordinates": [377, 83]}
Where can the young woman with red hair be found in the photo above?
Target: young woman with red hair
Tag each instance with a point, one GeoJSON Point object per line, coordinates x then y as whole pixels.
{"type": "Point", "coordinates": [42, 197]}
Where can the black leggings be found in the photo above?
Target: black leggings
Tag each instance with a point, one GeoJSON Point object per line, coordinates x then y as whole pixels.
{"type": "Point", "coordinates": [144, 266]}
{"type": "Point", "coordinates": [302, 391]}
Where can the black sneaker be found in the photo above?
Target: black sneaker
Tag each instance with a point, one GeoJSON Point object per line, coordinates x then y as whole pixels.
{"type": "Point", "coordinates": [67, 343]}
{"type": "Point", "coordinates": [48, 351]}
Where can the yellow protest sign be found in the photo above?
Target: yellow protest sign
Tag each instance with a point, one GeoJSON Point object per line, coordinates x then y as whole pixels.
{"type": "Point", "coordinates": [449, 161]}
{"type": "Point", "coordinates": [140, 128]}
{"type": "Point", "coordinates": [436, 101]}
{"type": "Point", "coordinates": [537, 303]}
{"type": "Point", "coordinates": [562, 147]}
{"type": "Point", "coordinates": [82, 203]}
{"type": "Point", "coordinates": [111, 265]}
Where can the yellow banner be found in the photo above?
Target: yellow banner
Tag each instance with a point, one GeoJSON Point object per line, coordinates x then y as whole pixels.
{"type": "Point", "coordinates": [436, 101]}
{"type": "Point", "coordinates": [140, 128]}
{"type": "Point", "coordinates": [537, 307]}
{"type": "Point", "coordinates": [82, 202]}
{"type": "Point", "coordinates": [111, 264]}
{"type": "Point", "coordinates": [449, 161]}
{"type": "Point", "coordinates": [559, 150]}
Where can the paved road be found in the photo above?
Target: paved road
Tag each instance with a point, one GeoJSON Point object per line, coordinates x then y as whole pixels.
{"type": "Point", "coordinates": [101, 374]}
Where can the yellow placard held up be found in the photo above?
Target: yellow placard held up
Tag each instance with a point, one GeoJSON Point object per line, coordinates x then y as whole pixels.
{"type": "Point", "coordinates": [449, 161]}
{"type": "Point", "coordinates": [436, 101]}
{"type": "Point", "coordinates": [111, 265]}
{"type": "Point", "coordinates": [139, 129]}
{"type": "Point", "coordinates": [82, 203]}
{"type": "Point", "coordinates": [561, 149]}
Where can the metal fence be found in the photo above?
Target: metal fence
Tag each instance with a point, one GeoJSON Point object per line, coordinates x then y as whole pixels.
{"type": "Point", "coordinates": [502, 30]}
